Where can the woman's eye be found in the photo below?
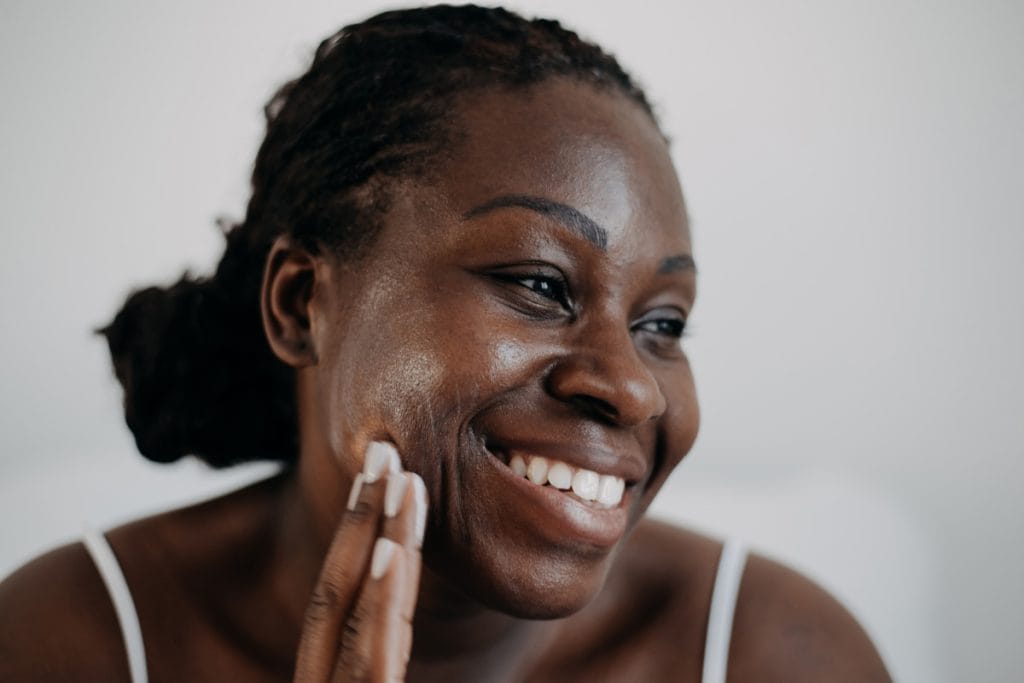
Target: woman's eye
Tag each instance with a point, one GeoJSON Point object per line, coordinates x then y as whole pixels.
{"type": "Point", "coordinates": [668, 327]}
{"type": "Point", "coordinates": [544, 294]}
{"type": "Point", "coordinates": [542, 291]}
{"type": "Point", "coordinates": [547, 287]}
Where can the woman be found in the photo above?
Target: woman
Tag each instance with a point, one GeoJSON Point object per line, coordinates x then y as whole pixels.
{"type": "Point", "coordinates": [460, 287]}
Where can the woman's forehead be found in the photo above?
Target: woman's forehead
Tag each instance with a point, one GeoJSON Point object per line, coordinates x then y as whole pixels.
{"type": "Point", "coordinates": [566, 147]}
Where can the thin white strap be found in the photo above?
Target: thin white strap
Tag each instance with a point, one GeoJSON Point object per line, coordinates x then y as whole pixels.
{"type": "Point", "coordinates": [110, 571]}
{"type": "Point", "coordinates": [723, 606]}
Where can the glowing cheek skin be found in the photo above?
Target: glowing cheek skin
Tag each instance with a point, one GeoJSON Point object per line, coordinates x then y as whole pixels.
{"type": "Point", "coordinates": [380, 399]}
{"type": "Point", "coordinates": [417, 372]}
{"type": "Point", "coordinates": [411, 380]}
{"type": "Point", "coordinates": [507, 356]}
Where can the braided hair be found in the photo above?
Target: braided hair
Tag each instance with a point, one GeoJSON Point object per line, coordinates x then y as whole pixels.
{"type": "Point", "coordinates": [198, 374]}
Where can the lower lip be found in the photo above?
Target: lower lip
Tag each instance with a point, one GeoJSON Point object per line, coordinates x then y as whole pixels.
{"type": "Point", "coordinates": [566, 519]}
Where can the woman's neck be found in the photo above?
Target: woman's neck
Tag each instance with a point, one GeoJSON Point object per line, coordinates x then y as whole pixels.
{"type": "Point", "coordinates": [456, 638]}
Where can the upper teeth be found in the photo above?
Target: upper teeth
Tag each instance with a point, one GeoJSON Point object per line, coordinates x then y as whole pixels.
{"type": "Point", "coordinates": [588, 485]}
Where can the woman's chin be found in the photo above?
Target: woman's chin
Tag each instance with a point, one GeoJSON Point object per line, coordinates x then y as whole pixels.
{"type": "Point", "coordinates": [543, 609]}
{"type": "Point", "coordinates": [542, 589]}
{"type": "Point", "coordinates": [535, 602]}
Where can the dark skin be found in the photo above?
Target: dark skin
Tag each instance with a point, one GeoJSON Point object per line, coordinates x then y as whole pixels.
{"type": "Point", "coordinates": [482, 322]}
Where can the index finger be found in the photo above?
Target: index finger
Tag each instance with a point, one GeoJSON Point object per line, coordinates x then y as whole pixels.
{"type": "Point", "coordinates": [344, 567]}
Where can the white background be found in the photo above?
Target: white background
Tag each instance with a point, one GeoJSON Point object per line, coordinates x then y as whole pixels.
{"type": "Point", "coordinates": [854, 173]}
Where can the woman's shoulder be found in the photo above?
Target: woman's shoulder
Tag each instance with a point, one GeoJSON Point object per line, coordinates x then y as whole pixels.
{"type": "Point", "coordinates": [57, 621]}
{"type": "Point", "coordinates": [57, 618]}
{"type": "Point", "coordinates": [785, 626]}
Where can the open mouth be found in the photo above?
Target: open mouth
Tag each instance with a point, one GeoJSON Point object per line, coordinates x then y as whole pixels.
{"type": "Point", "coordinates": [587, 486]}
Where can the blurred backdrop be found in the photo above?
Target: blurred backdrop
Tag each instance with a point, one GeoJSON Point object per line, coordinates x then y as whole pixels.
{"type": "Point", "coordinates": [855, 176]}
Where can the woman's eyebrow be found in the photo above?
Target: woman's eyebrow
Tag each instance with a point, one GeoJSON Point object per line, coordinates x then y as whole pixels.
{"type": "Point", "coordinates": [563, 213]}
{"type": "Point", "coordinates": [681, 262]}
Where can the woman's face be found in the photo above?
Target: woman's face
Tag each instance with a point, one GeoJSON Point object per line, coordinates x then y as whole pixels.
{"type": "Point", "coordinates": [524, 298]}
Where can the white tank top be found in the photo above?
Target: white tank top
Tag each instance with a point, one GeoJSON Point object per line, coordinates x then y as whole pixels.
{"type": "Point", "coordinates": [723, 606]}
{"type": "Point", "coordinates": [113, 577]}
{"type": "Point", "coordinates": [716, 644]}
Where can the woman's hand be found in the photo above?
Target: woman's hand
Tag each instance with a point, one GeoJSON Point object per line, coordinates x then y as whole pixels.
{"type": "Point", "coordinates": [358, 625]}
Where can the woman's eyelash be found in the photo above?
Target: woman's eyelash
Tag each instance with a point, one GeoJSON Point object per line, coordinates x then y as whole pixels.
{"type": "Point", "coordinates": [670, 327]}
{"type": "Point", "coordinates": [550, 287]}
{"type": "Point", "coordinates": [555, 289]}
{"type": "Point", "coordinates": [547, 287]}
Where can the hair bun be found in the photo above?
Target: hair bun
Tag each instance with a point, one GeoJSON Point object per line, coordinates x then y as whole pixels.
{"type": "Point", "coordinates": [198, 376]}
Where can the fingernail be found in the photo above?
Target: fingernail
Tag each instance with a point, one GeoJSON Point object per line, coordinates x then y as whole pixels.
{"type": "Point", "coordinates": [397, 484]}
{"type": "Point", "coordinates": [420, 490]}
{"type": "Point", "coordinates": [353, 495]}
{"type": "Point", "coordinates": [380, 457]}
{"type": "Point", "coordinates": [383, 551]}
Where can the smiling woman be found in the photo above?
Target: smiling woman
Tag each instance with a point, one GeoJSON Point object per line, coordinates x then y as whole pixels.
{"type": "Point", "coordinates": [454, 310]}
{"type": "Point", "coordinates": [487, 258]}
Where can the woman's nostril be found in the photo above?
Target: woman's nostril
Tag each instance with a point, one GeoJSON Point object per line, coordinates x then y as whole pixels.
{"type": "Point", "coordinates": [596, 407]}
{"type": "Point", "coordinates": [615, 389]}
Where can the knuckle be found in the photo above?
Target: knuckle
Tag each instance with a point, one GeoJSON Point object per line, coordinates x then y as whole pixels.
{"type": "Point", "coordinates": [355, 659]}
{"type": "Point", "coordinates": [354, 629]}
{"type": "Point", "coordinates": [321, 604]}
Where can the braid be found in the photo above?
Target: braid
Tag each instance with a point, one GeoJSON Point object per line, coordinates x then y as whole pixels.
{"type": "Point", "coordinates": [198, 373]}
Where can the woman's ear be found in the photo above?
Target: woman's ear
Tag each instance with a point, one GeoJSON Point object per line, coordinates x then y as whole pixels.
{"type": "Point", "coordinates": [285, 302]}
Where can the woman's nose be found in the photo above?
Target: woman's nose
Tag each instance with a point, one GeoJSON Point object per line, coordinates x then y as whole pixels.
{"type": "Point", "coordinates": [605, 377]}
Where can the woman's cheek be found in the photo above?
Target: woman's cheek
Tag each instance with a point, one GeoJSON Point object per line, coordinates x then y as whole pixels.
{"type": "Point", "coordinates": [412, 377]}
{"type": "Point", "coordinates": [426, 384]}
{"type": "Point", "coordinates": [374, 399]}
{"type": "Point", "coordinates": [427, 397]}
{"type": "Point", "coordinates": [507, 357]}
{"type": "Point", "coordinates": [678, 431]}
{"type": "Point", "coordinates": [394, 395]}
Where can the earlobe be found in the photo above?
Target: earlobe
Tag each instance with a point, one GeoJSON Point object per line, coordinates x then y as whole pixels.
{"type": "Point", "coordinates": [285, 303]}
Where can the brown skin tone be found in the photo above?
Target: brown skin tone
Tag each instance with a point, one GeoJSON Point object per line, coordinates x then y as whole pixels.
{"type": "Point", "coordinates": [452, 339]}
